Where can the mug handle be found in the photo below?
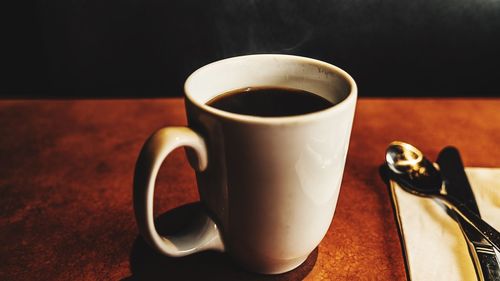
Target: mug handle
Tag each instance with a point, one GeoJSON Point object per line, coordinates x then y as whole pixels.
{"type": "Point", "coordinates": [205, 234]}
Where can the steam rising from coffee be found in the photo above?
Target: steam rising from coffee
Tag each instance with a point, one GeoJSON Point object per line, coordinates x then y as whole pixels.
{"type": "Point", "coordinates": [257, 26]}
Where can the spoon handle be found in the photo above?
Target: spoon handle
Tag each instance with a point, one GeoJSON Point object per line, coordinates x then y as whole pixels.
{"type": "Point", "coordinates": [488, 232]}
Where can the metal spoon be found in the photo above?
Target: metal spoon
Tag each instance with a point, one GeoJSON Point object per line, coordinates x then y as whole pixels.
{"type": "Point", "coordinates": [417, 175]}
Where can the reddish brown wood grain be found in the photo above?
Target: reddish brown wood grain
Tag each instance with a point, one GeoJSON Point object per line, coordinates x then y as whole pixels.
{"type": "Point", "coordinates": [66, 171]}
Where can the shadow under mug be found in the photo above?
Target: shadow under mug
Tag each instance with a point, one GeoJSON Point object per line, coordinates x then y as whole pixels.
{"type": "Point", "coordinates": [269, 184]}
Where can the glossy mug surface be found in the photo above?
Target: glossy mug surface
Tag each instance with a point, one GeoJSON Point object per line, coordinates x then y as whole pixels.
{"type": "Point", "coordinates": [270, 183]}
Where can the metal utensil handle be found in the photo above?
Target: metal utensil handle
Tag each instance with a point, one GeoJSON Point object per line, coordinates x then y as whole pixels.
{"type": "Point", "coordinates": [488, 232]}
{"type": "Point", "coordinates": [489, 265]}
{"type": "Point", "coordinates": [481, 252]}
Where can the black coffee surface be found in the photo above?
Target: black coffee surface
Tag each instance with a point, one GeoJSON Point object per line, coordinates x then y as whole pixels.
{"type": "Point", "coordinates": [269, 102]}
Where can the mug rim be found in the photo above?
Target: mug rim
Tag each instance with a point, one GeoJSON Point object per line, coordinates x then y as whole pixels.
{"type": "Point", "coordinates": [350, 98]}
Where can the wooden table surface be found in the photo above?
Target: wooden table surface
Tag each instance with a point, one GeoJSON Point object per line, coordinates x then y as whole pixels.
{"type": "Point", "coordinates": [66, 170]}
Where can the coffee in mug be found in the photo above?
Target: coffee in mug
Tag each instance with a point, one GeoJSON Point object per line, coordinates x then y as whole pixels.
{"type": "Point", "coordinates": [269, 102]}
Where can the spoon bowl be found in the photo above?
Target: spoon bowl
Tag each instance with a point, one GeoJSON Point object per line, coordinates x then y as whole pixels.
{"type": "Point", "coordinates": [412, 170]}
{"type": "Point", "coordinates": [402, 157]}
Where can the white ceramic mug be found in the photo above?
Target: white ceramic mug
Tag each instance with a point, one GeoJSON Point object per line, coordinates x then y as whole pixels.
{"type": "Point", "coordinates": [270, 184]}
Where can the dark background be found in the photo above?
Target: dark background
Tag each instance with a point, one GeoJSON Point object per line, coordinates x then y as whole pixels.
{"type": "Point", "coordinates": [146, 48]}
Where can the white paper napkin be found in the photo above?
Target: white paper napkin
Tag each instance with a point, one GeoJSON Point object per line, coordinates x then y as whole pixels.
{"type": "Point", "coordinates": [434, 244]}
